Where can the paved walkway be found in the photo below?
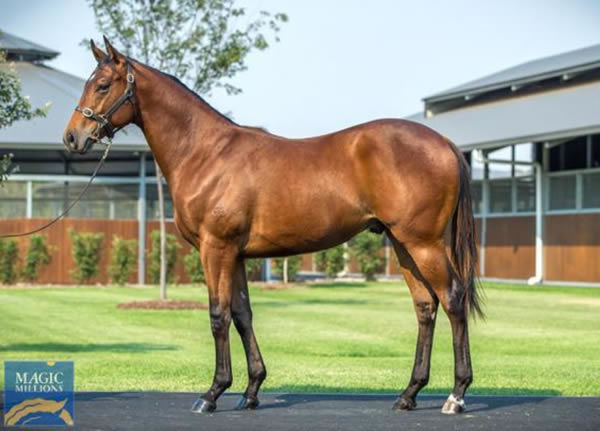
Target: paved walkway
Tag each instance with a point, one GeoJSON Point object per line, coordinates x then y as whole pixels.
{"type": "Point", "coordinates": [149, 411]}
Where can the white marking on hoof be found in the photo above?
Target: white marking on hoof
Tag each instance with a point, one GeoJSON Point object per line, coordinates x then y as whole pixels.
{"type": "Point", "coordinates": [453, 405]}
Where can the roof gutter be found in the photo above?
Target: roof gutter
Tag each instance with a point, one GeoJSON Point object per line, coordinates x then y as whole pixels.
{"type": "Point", "coordinates": [566, 72]}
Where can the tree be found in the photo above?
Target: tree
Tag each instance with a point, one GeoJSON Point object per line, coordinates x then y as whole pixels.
{"type": "Point", "coordinates": [288, 267]}
{"type": "Point", "coordinates": [365, 248]}
{"type": "Point", "coordinates": [5, 167]}
{"type": "Point", "coordinates": [13, 107]}
{"type": "Point", "coordinates": [199, 41]}
{"type": "Point", "coordinates": [331, 261]}
{"type": "Point", "coordinates": [193, 266]}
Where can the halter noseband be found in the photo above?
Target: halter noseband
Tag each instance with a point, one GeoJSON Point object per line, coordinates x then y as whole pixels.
{"type": "Point", "coordinates": [103, 120]}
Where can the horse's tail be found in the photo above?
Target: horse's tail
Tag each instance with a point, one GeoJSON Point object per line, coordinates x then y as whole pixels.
{"type": "Point", "coordinates": [464, 250]}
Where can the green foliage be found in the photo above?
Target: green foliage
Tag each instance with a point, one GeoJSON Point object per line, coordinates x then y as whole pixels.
{"type": "Point", "coordinates": [13, 107]}
{"type": "Point", "coordinates": [254, 269]}
{"type": "Point", "coordinates": [6, 167]}
{"type": "Point", "coordinates": [9, 257]}
{"type": "Point", "coordinates": [202, 42]}
{"type": "Point", "coordinates": [38, 255]}
{"type": "Point", "coordinates": [294, 263]}
{"type": "Point", "coordinates": [154, 257]}
{"type": "Point", "coordinates": [331, 261]}
{"type": "Point", "coordinates": [123, 259]}
{"type": "Point", "coordinates": [86, 247]}
{"type": "Point", "coordinates": [193, 266]}
{"type": "Point", "coordinates": [365, 247]}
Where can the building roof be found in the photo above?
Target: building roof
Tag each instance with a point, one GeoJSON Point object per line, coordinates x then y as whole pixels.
{"type": "Point", "coordinates": [532, 71]}
{"type": "Point", "coordinates": [24, 49]}
{"type": "Point", "coordinates": [43, 84]}
{"type": "Point", "coordinates": [541, 116]}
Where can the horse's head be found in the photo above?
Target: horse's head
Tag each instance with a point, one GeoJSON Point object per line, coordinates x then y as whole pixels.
{"type": "Point", "coordinates": [107, 102]}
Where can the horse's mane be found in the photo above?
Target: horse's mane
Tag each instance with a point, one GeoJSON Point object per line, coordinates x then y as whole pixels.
{"type": "Point", "coordinates": [200, 98]}
{"type": "Point", "coordinates": [187, 89]}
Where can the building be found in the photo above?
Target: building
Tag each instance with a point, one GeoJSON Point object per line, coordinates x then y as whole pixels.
{"type": "Point", "coordinates": [532, 136]}
{"type": "Point", "coordinates": [530, 132]}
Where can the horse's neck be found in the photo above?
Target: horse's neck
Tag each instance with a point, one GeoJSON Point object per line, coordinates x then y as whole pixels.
{"type": "Point", "coordinates": [172, 119]}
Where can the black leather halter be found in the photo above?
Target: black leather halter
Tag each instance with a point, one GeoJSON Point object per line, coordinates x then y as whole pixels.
{"type": "Point", "coordinates": [103, 120]}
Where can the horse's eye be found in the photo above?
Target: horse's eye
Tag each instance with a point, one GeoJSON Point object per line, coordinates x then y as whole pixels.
{"type": "Point", "coordinates": [103, 88]}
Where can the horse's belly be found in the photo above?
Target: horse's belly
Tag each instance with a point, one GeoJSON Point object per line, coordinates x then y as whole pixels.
{"type": "Point", "coordinates": [287, 228]}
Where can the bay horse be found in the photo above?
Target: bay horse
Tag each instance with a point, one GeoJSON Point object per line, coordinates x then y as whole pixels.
{"type": "Point", "coordinates": [241, 192]}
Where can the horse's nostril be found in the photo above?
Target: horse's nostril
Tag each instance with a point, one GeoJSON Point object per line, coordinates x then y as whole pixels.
{"type": "Point", "coordinates": [70, 137]}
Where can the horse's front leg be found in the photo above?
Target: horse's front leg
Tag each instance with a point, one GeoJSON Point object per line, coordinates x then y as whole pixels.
{"type": "Point", "coordinates": [219, 266]}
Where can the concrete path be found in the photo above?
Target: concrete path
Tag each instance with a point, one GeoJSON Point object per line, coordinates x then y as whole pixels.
{"type": "Point", "coordinates": [149, 411]}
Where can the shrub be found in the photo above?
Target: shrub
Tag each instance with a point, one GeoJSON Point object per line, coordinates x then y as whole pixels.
{"type": "Point", "coordinates": [331, 261]}
{"type": "Point", "coordinates": [193, 266]}
{"type": "Point", "coordinates": [122, 260]}
{"type": "Point", "coordinates": [365, 247]}
{"type": "Point", "coordinates": [294, 263]}
{"type": "Point", "coordinates": [9, 256]}
{"type": "Point", "coordinates": [38, 255]}
{"type": "Point", "coordinates": [254, 269]}
{"type": "Point", "coordinates": [154, 257]}
{"type": "Point", "coordinates": [86, 254]}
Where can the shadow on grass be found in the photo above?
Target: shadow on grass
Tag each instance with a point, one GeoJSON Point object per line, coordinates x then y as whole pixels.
{"type": "Point", "coordinates": [295, 302]}
{"type": "Point", "coordinates": [88, 347]}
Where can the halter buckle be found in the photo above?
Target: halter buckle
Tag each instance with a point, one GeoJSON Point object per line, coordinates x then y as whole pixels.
{"type": "Point", "coordinates": [130, 78]}
{"type": "Point", "coordinates": [87, 112]}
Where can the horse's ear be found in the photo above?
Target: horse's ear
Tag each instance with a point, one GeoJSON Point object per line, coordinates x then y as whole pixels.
{"type": "Point", "coordinates": [99, 55]}
{"type": "Point", "coordinates": [114, 55]}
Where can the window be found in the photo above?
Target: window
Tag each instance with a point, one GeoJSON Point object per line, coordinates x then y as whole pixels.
{"type": "Point", "coordinates": [562, 192]}
{"type": "Point", "coordinates": [591, 190]}
{"type": "Point", "coordinates": [102, 201]}
{"type": "Point", "coordinates": [477, 168]}
{"type": "Point", "coordinates": [569, 155]}
{"type": "Point", "coordinates": [595, 156]}
{"type": "Point", "coordinates": [525, 194]}
{"type": "Point", "coordinates": [500, 196]}
{"type": "Point", "coordinates": [13, 201]}
{"type": "Point", "coordinates": [476, 196]}
{"type": "Point", "coordinates": [500, 170]}
{"type": "Point", "coordinates": [524, 153]}
{"type": "Point", "coordinates": [152, 202]}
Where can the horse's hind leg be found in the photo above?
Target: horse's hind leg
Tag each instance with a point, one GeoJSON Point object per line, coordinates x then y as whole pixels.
{"type": "Point", "coordinates": [242, 319]}
{"type": "Point", "coordinates": [426, 303]}
{"type": "Point", "coordinates": [427, 268]}
{"type": "Point", "coordinates": [456, 309]}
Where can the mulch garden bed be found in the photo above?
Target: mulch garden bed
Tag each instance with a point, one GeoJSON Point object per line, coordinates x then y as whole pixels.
{"type": "Point", "coordinates": [157, 304]}
{"type": "Point", "coordinates": [277, 286]}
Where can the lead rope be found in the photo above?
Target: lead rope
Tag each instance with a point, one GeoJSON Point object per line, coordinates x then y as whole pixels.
{"type": "Point", "coordinates": [72, 204]}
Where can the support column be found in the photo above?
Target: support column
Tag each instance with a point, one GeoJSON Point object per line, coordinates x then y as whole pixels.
{"type": "Point", "coordinates": [539, 227]}
{"type": "Point", "coordinates": [267, 263]}
{"type": "Point", "coordinates": [29, 207]}
{"type": "Point", "coordinates": [485, 204]}
{"type": "Point", "coordinates": [142, 221]}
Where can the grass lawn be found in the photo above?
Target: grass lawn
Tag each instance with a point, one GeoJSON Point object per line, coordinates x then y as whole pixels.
{"type": "Point", "coordinates": [319, 338]}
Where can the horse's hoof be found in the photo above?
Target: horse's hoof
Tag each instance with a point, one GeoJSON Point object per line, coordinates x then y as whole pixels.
{"type": "Point", "coordinates": [404, 404]}
{"type": "Point", "coordinates": [453, 406]}
{"type": "Point", "coordinates": [203, 406]}
{"type": "Point", "coordinates": [246, 403]}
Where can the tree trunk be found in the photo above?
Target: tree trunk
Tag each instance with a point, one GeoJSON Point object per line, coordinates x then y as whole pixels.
{"type": "Point", "coordinates": [285, 270]}
{"type": "Point", "coordinates": [163, 235]}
